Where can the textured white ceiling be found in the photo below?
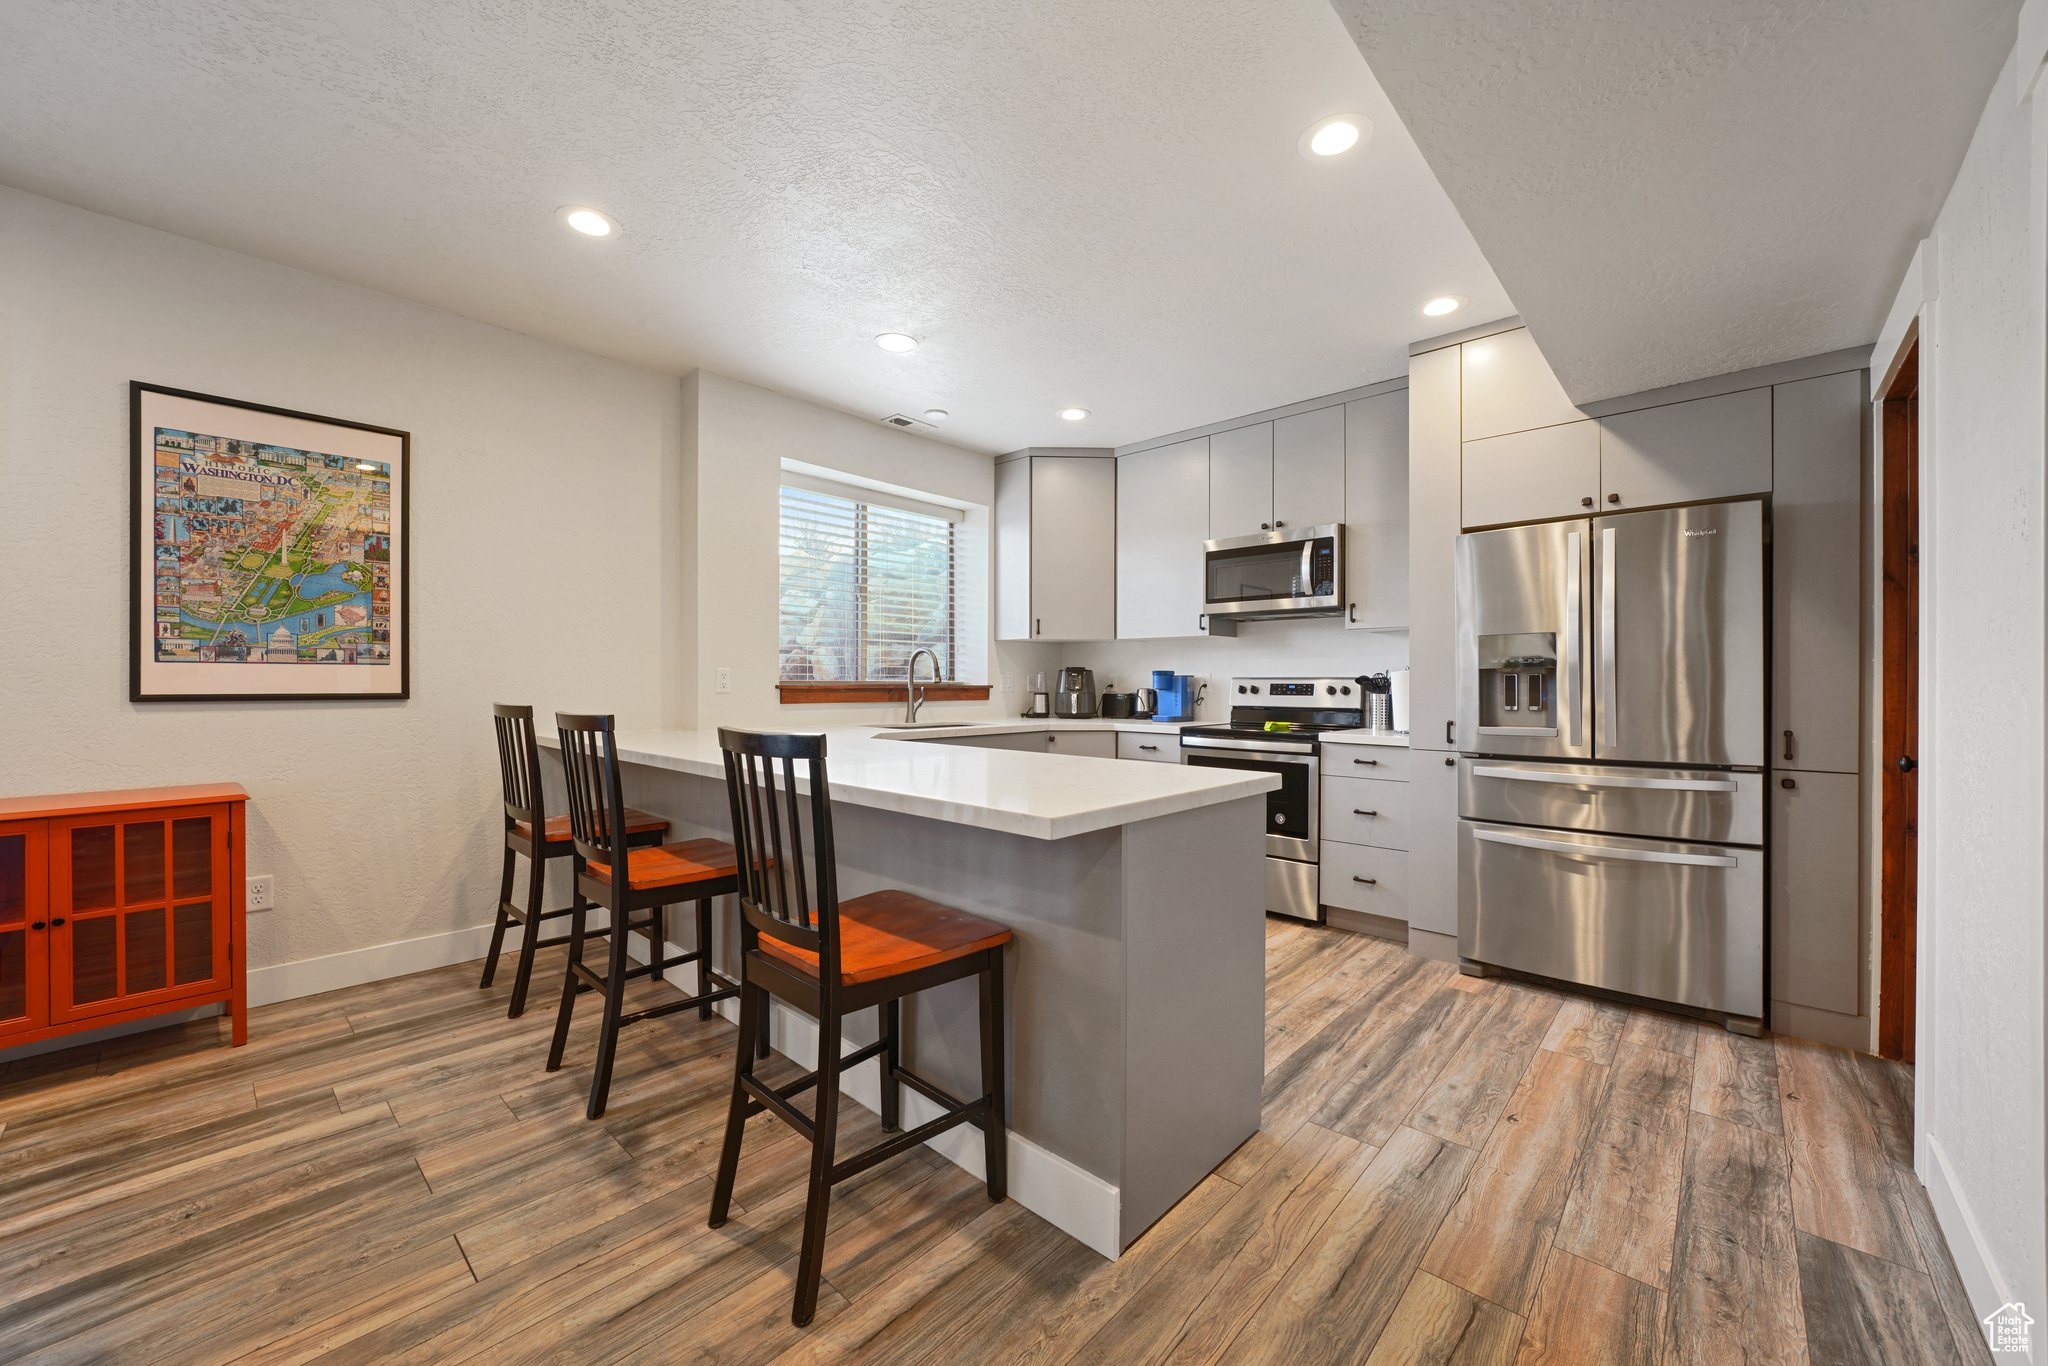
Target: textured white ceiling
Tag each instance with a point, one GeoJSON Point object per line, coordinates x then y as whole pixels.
{"type": "Point", "coordinates": [1071, 202]}
{"type": "Point", "coordinates": [1673, 189]}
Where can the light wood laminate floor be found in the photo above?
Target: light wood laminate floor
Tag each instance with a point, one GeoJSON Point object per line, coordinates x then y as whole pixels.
{"type": "Point", "coordinates": [1450, 1169]}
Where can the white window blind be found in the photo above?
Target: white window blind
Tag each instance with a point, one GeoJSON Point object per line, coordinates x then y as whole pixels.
{"type": "Point", "coordinates": [864, 585]}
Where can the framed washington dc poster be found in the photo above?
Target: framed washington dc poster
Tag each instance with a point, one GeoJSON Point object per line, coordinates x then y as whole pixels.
{"type": "Point", "coordinates": [269, 553]}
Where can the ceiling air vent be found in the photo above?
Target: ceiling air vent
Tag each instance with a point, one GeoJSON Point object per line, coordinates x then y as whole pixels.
{"type": "Point", "coordinates": [908, 424]}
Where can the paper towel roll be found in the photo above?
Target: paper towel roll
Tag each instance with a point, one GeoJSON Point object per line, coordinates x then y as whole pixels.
{"type": "Point", "coordinates": [1397, 696]}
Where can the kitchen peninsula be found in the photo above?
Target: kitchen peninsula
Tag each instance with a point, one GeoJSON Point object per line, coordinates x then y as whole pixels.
{"type": "Point", "coordinates": [1136, 986]}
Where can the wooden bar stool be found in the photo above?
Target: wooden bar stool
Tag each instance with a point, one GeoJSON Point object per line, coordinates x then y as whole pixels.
{"type": "Point", "coordinates": [525, 812]}
{"type": "Point", "coordinates": [635, 884]}
{"type": "Point", "coordinates": [801, 944]}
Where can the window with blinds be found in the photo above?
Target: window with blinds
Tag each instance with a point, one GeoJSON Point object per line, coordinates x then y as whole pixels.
{"type": "Point", "coordinates": [865, 584]}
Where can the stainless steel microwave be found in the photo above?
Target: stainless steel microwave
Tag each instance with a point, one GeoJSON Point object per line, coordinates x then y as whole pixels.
{"type": "Point", "coordinates": [1298, 571]}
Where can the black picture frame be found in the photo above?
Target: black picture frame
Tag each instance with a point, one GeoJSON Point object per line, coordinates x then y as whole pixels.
{"type": "Point", "coordinates": [141, 576]}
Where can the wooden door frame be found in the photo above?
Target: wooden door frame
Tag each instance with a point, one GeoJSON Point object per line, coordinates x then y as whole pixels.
{"type": "Point", "coordinates": [1899, 625]}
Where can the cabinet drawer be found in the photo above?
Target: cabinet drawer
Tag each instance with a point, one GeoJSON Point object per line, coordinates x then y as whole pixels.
{"type": "Point", "coordinates": [1374, 881]}
{"type": "Point", "coordinates": [1157, 749]}
{"type": "Point", "coordinates": [1384, 762]}
{"type": "Point", "coordinates": [1362, 811]}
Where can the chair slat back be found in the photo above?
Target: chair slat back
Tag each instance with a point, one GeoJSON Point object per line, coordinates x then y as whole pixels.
{"type": "Point", "coordinates": [786, 891]}
{"type": "Point", "coordinates": [597, 804]}
{"type": "Point", "coordinates": [519, 766]}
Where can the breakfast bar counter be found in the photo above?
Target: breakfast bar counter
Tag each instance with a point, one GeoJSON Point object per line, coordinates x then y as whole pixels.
{"type": "Point", "coordinates": [1137, 979]}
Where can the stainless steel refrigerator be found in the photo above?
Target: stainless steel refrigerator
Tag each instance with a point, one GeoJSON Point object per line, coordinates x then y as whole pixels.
{"type": "Point", "coordinates": [1611, 717]}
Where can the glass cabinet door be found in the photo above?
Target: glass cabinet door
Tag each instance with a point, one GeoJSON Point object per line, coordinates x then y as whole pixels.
{"type": "Point", "coordinates": [137, 909]}
{"type": "Point", "coordinates": [24, 928]}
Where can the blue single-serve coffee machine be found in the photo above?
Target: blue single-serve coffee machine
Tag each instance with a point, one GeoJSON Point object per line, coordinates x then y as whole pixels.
{"type": "Point", "coordinates": [1176, 695]}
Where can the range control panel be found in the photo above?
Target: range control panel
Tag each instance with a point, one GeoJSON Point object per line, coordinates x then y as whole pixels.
{"type": "Point", "coordinates": [1343, 692]}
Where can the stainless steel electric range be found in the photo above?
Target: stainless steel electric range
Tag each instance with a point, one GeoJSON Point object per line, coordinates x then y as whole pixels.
{"type": "Point", "coordinates": [1308, 707]}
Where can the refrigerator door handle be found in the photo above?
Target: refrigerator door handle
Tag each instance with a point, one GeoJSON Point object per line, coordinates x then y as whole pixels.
{"type": "Point", "coordinates": [1570, 658]}
{"type": "Point", "coordinates": [1606, 643]}
{"type": "Point", "coordinates": [1524, 775]}
{"type": "Point", "coordinates": [1605, 851]}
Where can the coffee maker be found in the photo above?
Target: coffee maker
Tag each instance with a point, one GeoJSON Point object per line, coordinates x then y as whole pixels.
{"type": "Point", "coordinates": [1075, 697]}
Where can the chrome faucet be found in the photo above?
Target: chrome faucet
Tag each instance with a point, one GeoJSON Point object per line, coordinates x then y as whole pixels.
{"type": "Point", "coordinates": [913, 696]}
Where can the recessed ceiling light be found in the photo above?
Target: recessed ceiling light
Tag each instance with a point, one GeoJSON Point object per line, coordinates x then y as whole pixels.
{"type": "Point", "coordinates": [1335, 135]}
{"type": "Point", "coordinates": [587, 221]}
{"type": "Point", "coordinates": [897, 342]}
{"type": "Point", "coordinates": [1073, 414]}
{"type": "Point", "coordinates": [936, 414]}
{"type": "Point", "coordinates": [1442, 304]}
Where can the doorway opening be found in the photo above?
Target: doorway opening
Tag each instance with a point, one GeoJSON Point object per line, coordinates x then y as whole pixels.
{"type": "Point", "coordinates": [1899, 740]}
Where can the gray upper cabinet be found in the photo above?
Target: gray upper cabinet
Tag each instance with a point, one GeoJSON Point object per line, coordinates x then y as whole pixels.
{"type": "Point", "coordinates": [1687, 452]}
{"type": "Point", "coordinates": [1532, 476]}
{"type": "Point", "coordinates": [1433, 384]}
{"type": "Point", "coordinates": [1376, 512]}
{"type": "Point", "coordinates": [1817, 553]}
{"type": "Point", "coordinates": [1241, 481]}
{"type": "Point", "coordinates": [1055, 538]}
{"type": "Point", "coordinates": [1816, 927]}
{"type": "Point", "coordinates": [1509, 387]}
{"type": "Point", "coordinates": [1162, 518]}
{"type": "Point", "coordinates": [1308, 468]}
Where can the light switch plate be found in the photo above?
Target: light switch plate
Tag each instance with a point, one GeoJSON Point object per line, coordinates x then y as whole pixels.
{"type": "Point", "coordinates": [262, 893]}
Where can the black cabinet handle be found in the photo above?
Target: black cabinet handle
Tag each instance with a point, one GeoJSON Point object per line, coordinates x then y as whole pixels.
{"type": "Point", "coordinates": [1369, 763]}
{"type": "Point", "coordinates": [1356, 812]}
{"type": "Point", "coordinates": [38, 925]}
{"type": "Point", "coordinates": [1585, 502]}
{"type": "Point", "coordinates": [1052, 739]}
{"type": "Point", "coordinates": [1352, 619]}
{"type": "Point", "coordinates": [56, 920]}
{"type": "Point", "coordinates": [1613, 497]}
{"type": "Point", "coordinates": [1368, 881]}
{"type": "Point", "coordinates": [1788, 746]}
{"type": "Point", "coordinates": [1265, 526]}
{"type": "Point", "coordinates": [1907, 763]}
{"type": "Point", "coordinates": [1037, 626]}
{"type": "Point", "coordinates": [1153, 749]}
{"type": "Point", "coordinates": [1447, 731]}
{"type": "Point", "coordinates": [1450, 763]}
{"type": "Point", "coordinates": [1787, 784]}
{"type": "Point", "coordinates": [1279, 525]}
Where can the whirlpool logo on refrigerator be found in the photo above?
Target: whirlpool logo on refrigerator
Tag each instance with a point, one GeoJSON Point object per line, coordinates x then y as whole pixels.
{"type": "Point", "coordinates": [1692, 531]}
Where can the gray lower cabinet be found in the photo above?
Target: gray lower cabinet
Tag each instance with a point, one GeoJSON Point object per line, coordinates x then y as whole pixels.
{"type": "Point", "coordinates": [1387, 762]}
{"type": "Point", "coordinates": [1365, 811]}
{"type": "Point", "coordinates": [1433, 493]}
{"type": "Point", "coordinates": [1532, 476]}
{"type": "Point", "coordinates": [1816, 865]}
{"type": "Point", "coordinates": [1029, 741]}
{"type": "Point", "coordinates": [1092, 744]}
{"type": "Point", "coordinates": [1817, 574]}
{"type": "Point", "coordinates": [1308, 468]}
{"type": "Point", "coordinates": [1157, 749]}
{"type": "Point", "coordinates": [1241, 481]}
{"type": "Point", "coordinates": [1357, 877]}
{"type": "Point", "coordinates": [1433, 843]}
{"type": "Point", "coordinates": [1162, 518]}
{"type": "Point", "coordinates": [1055, 543]}
{"type": "Point", "coordinates": [1376, 512]}
{"type": "Point", "coordinates": [1688, 452]}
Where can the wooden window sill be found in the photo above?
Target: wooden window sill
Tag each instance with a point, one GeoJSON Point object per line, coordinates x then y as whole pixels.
{"type": "Point", "coordinates": [879, 692]}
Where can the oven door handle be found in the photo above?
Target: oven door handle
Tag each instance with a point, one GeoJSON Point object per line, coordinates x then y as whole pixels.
{"type": "Point", "coordinates": [1605, 851]}
{"type": "Point", "coordinates": [1280, 756]}
{"type": "Point", "coordinates": [1524, 775]}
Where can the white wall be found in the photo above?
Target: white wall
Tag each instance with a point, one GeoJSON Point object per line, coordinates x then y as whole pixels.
{"type": "Point", "coordinates": [546, 500]}
{"type": "Point", "coordinates": [743, 433]}
{"type": "Point", "coordinates": [1312, 649]}
{"type": "Point", "coordinates": [1980, 1046]}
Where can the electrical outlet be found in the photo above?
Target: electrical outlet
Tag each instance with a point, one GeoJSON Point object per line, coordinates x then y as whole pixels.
{"type": "Point", "coordinates": [724, 681]}
{"type": "Point", "coordinates": [262, 893]}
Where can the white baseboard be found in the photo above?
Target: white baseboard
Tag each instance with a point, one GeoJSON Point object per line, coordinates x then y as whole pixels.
{"type": "Point", "coordinates": [1988, 1289]}
{"type": "Point", "coordinates": [1078, 1203]}
{"type": "Point", "coordinates": [311, 976]}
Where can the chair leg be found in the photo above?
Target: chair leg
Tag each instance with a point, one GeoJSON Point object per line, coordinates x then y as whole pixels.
{"type": "Point", "coordinates": [579, 913]}
{"type": "Point", "coordinates": [704, 959]}
{"type": "Point", "coordinates": [891, 1059]}
{"type": "Point", "coordinates": [657, 948]}
{"type": "Point", "coordinates": [751, 1004]}
{"type": "Point", "coordinates": [608, 1028]}
{"type": "Point", "coordinates": [994, 1126]}
{"type": "Point", "coordinates": [499, 923]}
{"type": "Point", "coordinates": [529, 943]}
{"type": "Point", "coordinates": [818, 1201]}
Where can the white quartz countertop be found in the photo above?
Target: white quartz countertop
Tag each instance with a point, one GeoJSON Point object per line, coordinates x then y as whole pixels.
{"type": "Point", "coordinates": [1043, 796]}
{"type": "Point", "coordinates": [1365, 737]}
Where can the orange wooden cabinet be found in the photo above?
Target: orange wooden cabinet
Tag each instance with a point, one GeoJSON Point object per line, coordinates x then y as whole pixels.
{"type": "Point", "coordinates": [115, 906]}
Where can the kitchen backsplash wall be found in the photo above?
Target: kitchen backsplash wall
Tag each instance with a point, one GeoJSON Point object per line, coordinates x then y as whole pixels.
{"type": "Point", "coordinates": [1314, 649]}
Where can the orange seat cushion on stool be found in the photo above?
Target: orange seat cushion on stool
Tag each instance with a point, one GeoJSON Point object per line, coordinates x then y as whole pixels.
{"type": "Point", "coordinates": [886, 934]}
{"type": "Point", "coordinates": [673, 865]}
{"type": "Point", "coordinates": [638, 822]}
